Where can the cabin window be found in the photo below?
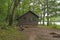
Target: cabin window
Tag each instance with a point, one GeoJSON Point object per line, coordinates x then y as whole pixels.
{"type": "Point", "coordinates": [31, 19]}
{"type": "Point", "coordinates": [34, 19]}
{"type": "Point", "coordinates": [24, 18]}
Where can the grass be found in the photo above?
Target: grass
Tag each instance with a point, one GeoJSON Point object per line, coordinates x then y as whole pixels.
{"type": "Point", "coordinates": [11, 33]}
{"type": "Point", "coordinates": [53, 26]}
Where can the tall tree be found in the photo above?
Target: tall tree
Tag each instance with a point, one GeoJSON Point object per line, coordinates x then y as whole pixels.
{"type": "Point", "coordinates": [15, 4]}
{"type": "Point", "coordinates": [47, 13]}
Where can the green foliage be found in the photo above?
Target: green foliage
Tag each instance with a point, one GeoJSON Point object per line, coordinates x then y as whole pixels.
{"type": "Point", "coordinates": [12, 34]}
{"type": "Point", "coordinates": [3, 9]}
{"type": "Point", "coordinates": [24, 5]}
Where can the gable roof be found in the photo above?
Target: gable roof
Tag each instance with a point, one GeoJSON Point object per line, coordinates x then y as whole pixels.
{"type": "Point", "coordinates": [27, 13]}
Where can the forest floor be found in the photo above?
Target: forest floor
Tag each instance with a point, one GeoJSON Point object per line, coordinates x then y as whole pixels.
{"type": "Point", "coordinates": [38, 33]}
{"type": "Point", "coordinates": [42, 33]}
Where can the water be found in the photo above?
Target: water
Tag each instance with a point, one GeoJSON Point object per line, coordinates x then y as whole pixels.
{"type": "Point", "coordinates": [57, 23]}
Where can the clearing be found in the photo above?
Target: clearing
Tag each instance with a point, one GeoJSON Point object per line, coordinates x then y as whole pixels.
{"type": "Point", "coordinates": [42, 33]}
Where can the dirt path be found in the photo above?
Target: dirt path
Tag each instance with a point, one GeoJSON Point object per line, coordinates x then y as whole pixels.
{"type": "Point", "coordinates": [42, 34]}
{"type": "Point", "coordinates": [32, 37]}
{"type": "Point", "coordinates": [32, 32]}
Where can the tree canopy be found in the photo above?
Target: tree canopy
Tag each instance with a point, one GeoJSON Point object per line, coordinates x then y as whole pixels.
{"type": "Point", "coordinates": [9, 9]}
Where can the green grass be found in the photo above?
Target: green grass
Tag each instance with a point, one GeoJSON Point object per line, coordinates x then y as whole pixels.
{"type": "Point", "coordinates": [11, 33]}
{"type": "Point", "coordinates": [53, 26]}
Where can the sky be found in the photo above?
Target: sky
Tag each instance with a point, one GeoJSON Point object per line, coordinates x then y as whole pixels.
{"type": "Point", "coordinates": [58, 1]}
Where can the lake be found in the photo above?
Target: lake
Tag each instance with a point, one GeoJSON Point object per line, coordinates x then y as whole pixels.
{"type": "Point", "coordinates": [57, 23]}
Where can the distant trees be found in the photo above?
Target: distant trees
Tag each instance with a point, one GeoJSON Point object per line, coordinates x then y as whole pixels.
{"type": "Point", "coordinates": [49, 9]}
{"type": "Point", "coordinates": [8, 8]}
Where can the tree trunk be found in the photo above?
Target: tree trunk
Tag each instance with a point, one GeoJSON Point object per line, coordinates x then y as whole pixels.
{"type": "Point", "coordinates": [16, 2]}
{"type": "Point", "coordinates": [43, 14]}
{"type": "Point", "coordinates": [12, 17]}
{"type": "Point", "coordinates": [47, 15]}
{"type": "Point", "coordinates": [8, 12]}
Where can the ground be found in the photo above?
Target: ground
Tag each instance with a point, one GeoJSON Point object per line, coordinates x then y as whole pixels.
{"type": "Point", "coordinates": [43, 33]}
{"type": "Point", "coordinates": [38, 33]}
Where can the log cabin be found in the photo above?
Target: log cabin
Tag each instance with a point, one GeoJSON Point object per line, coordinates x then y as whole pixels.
{"type": "Point", "coordinates": [29, 19]}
